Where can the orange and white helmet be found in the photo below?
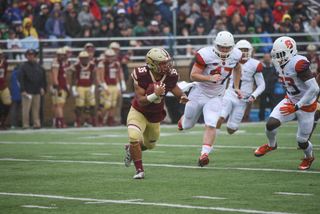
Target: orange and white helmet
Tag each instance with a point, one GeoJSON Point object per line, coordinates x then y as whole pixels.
{"type": "Point", "coordinates": [284, 48]}
{"type": "Point", "coordinates": [223, 39]}
{"type": "Point", "coordinates": [244, 44]}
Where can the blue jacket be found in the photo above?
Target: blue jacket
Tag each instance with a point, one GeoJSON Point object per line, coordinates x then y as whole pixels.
{"type": "Point", "coordinates": [50, 25]}
{"type": "Point", "coordinates": [268, 39]}
{"type": "Point", "coordinates": [165, 12]}
{"type": "Point", "coordinates": [15, 88]}
{"type": "Point", "coordinates": [15, 15]}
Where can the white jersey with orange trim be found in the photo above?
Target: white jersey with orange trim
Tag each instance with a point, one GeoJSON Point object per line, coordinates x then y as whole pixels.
{"type": "Point", "coordinates": [296, 88]}
{"type": "Point", "coordinates": [251, 72]}
{"type": "Point", "coordinates": [207, 60]}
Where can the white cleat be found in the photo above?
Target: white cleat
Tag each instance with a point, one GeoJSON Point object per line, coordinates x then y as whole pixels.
{"type": "Point", "coordinates": [128, 158]}
{"type": "Point", "coordinates": [139, 175]}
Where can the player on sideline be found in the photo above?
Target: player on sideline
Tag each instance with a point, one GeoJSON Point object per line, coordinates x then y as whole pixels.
{"type": "Point", "coordinates": [251, 72]}
{"type": "Point", "coordinates": [212, 68]}
{"type": "Point", "coordinates": [147, 111]}
{"type": "Point", "coordinates": [4, 91]}
{"type": "Point", "coordinates": [300, 101]}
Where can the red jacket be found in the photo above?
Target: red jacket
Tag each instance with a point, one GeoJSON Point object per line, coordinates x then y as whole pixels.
{"type": "Point", "coordinates": [94, 9]}
{"type": "Point", "coordinates": [276, 13]}
{"type": "Point", "coordinates": [233, 7]}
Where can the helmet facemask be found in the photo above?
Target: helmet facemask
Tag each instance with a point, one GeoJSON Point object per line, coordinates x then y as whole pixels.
{"type": "Point", "coordinates": [160, 61]}
{"type": "Point", "coordinates": [164, 67]}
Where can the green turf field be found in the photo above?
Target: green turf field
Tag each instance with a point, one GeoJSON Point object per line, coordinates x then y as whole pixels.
{"type": "Point", "coordinates": [82, 171]}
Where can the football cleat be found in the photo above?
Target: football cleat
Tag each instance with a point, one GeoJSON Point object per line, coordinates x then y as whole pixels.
{"type": "Point", "coordinates": [262, 150]}
{"type": "Point", "coordinates": [203, 160]}
{"type": "Point", "coordinates": [128, 158]}
{"type": "Point", "coordinates": [139, 175]}
{"type": "Point", "coordinates": [306, 163]}
{"type": "Point", "coordinates": [180, 125]}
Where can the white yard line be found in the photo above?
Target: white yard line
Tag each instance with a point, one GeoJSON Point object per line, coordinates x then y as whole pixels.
{"type": "Point", "coordinates": [36, 206]}
{"type": "Point", "coordinates": [208, 197]}
{"type": "Point", "coordinates": [291, 193]}
{"type": "Point", "coordinates": [150, 151]}
{"type": "Point", "coordinates": [163, 165]}
{"type": "Point", "coordinates": [145, 203]}
{"type": "Point", "coordinates": [99, 154]}
{"type": "Point", "coordinates": [44, 156]}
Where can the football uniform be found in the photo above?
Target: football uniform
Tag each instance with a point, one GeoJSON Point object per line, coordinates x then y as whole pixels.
{"type": "Point", "coordinates": [296, 88]}
{"type": "Point", "coordinates": [207, 96]}
{"type": "Point", "coordinates": [147, 119]}
{"type": "Point", "coordinates": [62, 79]}
{"type": "Point", "coordinates": [84, 76]}
{"type": "Point", "coordinates": [4, 90]}
{"type": "Point", "coordinates": [251, 72]}
{"type": "Point", "coordinates": [111, 79]}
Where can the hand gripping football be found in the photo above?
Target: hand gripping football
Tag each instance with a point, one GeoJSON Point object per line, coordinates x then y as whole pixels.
{"type": "Point", "coordinates": [150, 89]}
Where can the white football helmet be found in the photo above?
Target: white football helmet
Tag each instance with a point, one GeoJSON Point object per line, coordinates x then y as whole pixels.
{"type": "Point", "coordinates": [244, 44]}
{"type": "Point", "coordinates": [223, 39]}
{"type": "Point", "coordinates": [284, 48]}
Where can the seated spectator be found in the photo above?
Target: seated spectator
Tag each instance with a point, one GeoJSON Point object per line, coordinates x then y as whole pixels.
{"type": "Point", "coordinates": [28, 29]}
{"type": "Point", "coordinates": [185, 51]}
{"type": "Point", "coordinates": [267, 25]}
{"type": "Point", "coordinates": [95, 27]}
{"type": "Point", "coordinates": [3, 45]}
{"type": "Point", "coordinates": [299, 9]}
{"type": "Point", "coordinates": [76, 6]}
{"type": "Point", "coordinates": [251, 20]}
{"type": "Point", "coordinates": [85, 34]}
{"type": "Point", "coordinates": [29, 12]}
{"type": "Point", "coordinates": [282, 28]}
{"type": "Point", "coordinates": [14, 44]}
{"type": "Point", "coordinates": [105, 5]}
{"type": "Point", "coordinates": [166, 32]}
{"type": "Point", "coordinates": [296, 28]}
{"type": "Point", "coordinates": [65, 13]}
{"type": "Point", "coordinates": [164, 9]}
{"type": "Point", "coordinates": [18, 29]}
{"type": "Point", "coordinates": [40, 21]}
{"type": "Point", "coordinates": [182, 23]}
{"type": "Point", "coordinates": [107, 17]}
{"type": "Point", "coordinates": [314, 59]}
{"type": "Point", "coordinates": [85, 17]}
{"type": "Point", "coordinates": [265, 9]}
{"type": "Point", "coordinates": [317, 18]}
{"type": "Point", "coordinates": [205, 6]}
{"type": "Point", "coordinates": [236, 6]}
{"type": "Point", "coordinates": [189, 6]}
{"type": "Point", "coordinates": [255, 40]}
{"type": "Point", "coordinates": [128, 5]}
{"type": "Point", "coordinates": [139, 29]}
{"type": "Point", "coordinates": [219, 26]}
{"type": "Point", "coordinates": [135, 14]}
{"type": "Point", "coordinates": [217, 6]}
{"type": "Point", "coordinates": [121, 14]}
{"type": "Point", "coordinates": [222, 14]}
{"type": "Point", "coordinates": [206, 20]}
{"type": "Point", "coordinates": [286, 18]}
{"type": "Point", "coordinates": [194, 15]}
{"type": "Point", "coordinates": [313, 28]}
{"type": "Point", "coordinates": [3, 31]}
{"type": "Point", "coordinates": [161, 23]}
{"type": "Point", "coordinates": [104, 33]}
{"type": "Point", "coordinates": [241, 30]}
{"type": "Point", "coordinates": [234, 22]}
{"type": "Point", "coordinates": [154, 31]}
{"type": "Point", "coordinates": [264, 39]}
{"type": "Point", "coordinates": [37, 8]}
{"type": "Point", "coordinates": [203, 41]}
{"type": "Point", "coordinates": [56, 29]}
{"type": "Point", "coordinates": [111, 28]}
{"type": "Point", "coordinates": [147, 9]}
{"type": "Point", "coordinates": [278, 12]}
{"type": "Point", "coordinates": [94, 9]}
{"type": "Point", "coordinates": [73, 27]}
{"type": "Point", "coordinates": [298, 19]}
{"type": "Point", "coordinates": [256, 20]}
{"type": "Point", "coordinates": [12, 14]}
{"type": "Point", "coordinates": [57, 6]}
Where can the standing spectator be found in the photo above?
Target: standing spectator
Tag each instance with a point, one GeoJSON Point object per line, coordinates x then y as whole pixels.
{"type": "Point", "coordinates": [314, 59]}
{"type": "Point", "coordinates": [76, 6]}
{"type": "Point", "coordinates": [187, 7]}
{"type": "Point", "coordinates": [267, 25]}
{"type": "Point", "coordinates": [251, 21]}
{"type": "Point", "coordinates": [55, 29]}
{"type": "Point", "coordinates": [299, 9]}
{"type": "Point", "coordinates": [317, 18]}
{"type": "Point", "coordinates": [166, 13]}
{"type": "Point", "coordinates": [265, 9]}
{"type": "Point", "coordinates": [313, 28]}
{"type": "Point", "coordinates": [139, 29]}
{"type": "Point", "coordinates": [206, 20]}
{"type": "Point", "coordinates": [15, 97]}
{"type": "Point", "coordinates": [121, 14]}
{"type": "Point", "coordinates": [219, 26]}
{"type": "Point", "coordinates": [236, 6]}
{"type": "Point", "coordinates": [28, 29]}
{"type": "Point", "coordinates": [12, 14]}
{"type": "Point", "coordinates": [166, 32]}
{"type": "Point", "coordinates": [187, 41]}
{"type": "Point", "coordinates": [298, 19]}
{"type": "Point", "coordinates": [193, 16]}
{"type": "Point", "coordinates": [154, 31]}
{"type": "Point", "coordinates": [94, 9]}
{"type": "Point", "coordinates": [85, 17]}
{"type": "Point", "coordinates": [4, 91]}
{"type": "Point", "coordinates": [73, 27]}
{"type": "Point", "coordinates": [40, 21]}
{"type": "Point", "coordinates": [30, 77]}
{"type": "Point", "coordinates": [147, 9]}
{"type": "Point", "coordinates": [278, 12]}
{"type": "Point", "coordinates": [15, 45]}
{"type": "Point", "coordinates": [218, 5]}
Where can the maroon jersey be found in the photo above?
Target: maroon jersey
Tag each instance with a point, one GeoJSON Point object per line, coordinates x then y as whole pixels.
{"type": "Point", "coordinates": [111, 70]}
{"type": "Point", "coordinates": [83, 73]}
{"type": "Point", "coordinates": [62, 75]}
{"type": "Point", "coordinates": [154, 112]}
{"type": "Point", "coordinates": [314, 65]}
{"type": "Point", "coordinates": [3, 73]}
{"type": "Point", "coordinates": [95, 61]}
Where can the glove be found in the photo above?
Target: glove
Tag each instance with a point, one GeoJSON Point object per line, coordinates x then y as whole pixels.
{"type": "Point", "coordinates": [92, 90]}
{"type": "Point", "coordinates": [249, 100]}
{"type": "Point", "coordinates": [104, 86]}
{"type": "Point", "coordinates": [123, 86]}
{"type": "Point", "coordinates": [99, 89]}
{"type": "Point", "coordinates": [74, 91]}
{"type": "Point", "coordinates": [51, 90]}
{"type": "Point", "coordinates": [289, 108]}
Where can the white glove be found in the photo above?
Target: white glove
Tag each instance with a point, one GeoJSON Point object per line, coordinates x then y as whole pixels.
{"type": "Point", "coordinates": [249, 100]}
{"type": "Point", "coordinates": [68, 87]}
{"type": "Point", "coordinates": [51, 90]}
{"type": "Point", "coordinates": [74, 91]}
{"type": "Point", "coordinates": [123, 86]}
{"type": "Point", "coordinates": [92, 90]}
{"type": "Point", "coordinates": [104, 86]}
{"type": "Point", "coordinates": [118, 86]}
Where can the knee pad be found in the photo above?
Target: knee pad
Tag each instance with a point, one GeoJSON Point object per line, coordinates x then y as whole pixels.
{"type": "Point", "coordinates": [233, 126]}
{"type": "Point", "coordinates": [303, 145]}
{"type": "Point", "coordinates": [134, 135]}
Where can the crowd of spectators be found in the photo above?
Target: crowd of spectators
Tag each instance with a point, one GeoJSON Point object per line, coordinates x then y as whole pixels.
{"type": "Point", "coordinates": [129, 18]}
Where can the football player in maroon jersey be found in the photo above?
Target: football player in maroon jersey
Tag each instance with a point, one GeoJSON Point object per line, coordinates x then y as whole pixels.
{"type": "Point", "coordinates": [147, 111]}
{"type": "Point", "coordinates": [4, 91]}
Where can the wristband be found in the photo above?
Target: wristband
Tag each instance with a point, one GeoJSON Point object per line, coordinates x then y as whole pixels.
{"type": "Point", "coordinates": [73, 88]}
{"type": "Point", "coordinates": [152, 97]}
{"type": "Point", "coordinates": [118, 86]}
{"type": "Point", "coordinates": [57, 87]}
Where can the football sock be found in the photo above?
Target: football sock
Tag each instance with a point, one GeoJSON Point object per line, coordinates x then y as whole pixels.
{"type": "Point", "coordinates": [54, 121]}
{"type": "Point", "coordinates": [217, 132]}
{"type": "Point", "coordinates": [271, 135]}
{"type": "Point", "coordinates": [308, 151]}
{"type": "Point", "coordinates": [138, 164]}
{"type": "Point", "coordinates": [206, 148]}
{"type": "Point", "coordinates": [314, 126]}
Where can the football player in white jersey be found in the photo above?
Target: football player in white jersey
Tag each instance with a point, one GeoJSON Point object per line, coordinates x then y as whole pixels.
{"type": "Point", "coordinates": [212, 68]}
{"type": "Point", "coordinates": [251, 72]}
{"type": "Point", "coordinates": [300, 101]}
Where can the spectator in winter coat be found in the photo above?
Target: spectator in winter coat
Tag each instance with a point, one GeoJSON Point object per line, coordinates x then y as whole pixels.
{"type": "Point", "coordinates": [187, 7]}
{"type": "Point", "coordinates": [164, 9]}
{"type": "Point", "coordinates": [236, 5]}
{"type": "Point", "coordinates": [85, 17]}
{"type": "Point", "coordinates": [217, 6]}
{"type": "Point", "coordinates": [267, 25]}
{"type": "Point", "coordinates": [154, 31]}
{"type": "Point", "coordinates": [266, 39]}
{"type": "Point", "coordinates": [147, 10]}
{"type": "Point", "coordinates": [73, 27]}
{"type": "Point", "coordinates": [286, 18]}
{"type": "Point", "coordinates": [278, 12]}
{"type": "Point", "coordinates": [298, 9]}
{"type": "Point", "coordinates": [12, 14]}
{"type": "Point", "coordinates": [205, 6]}
{"type": "Point", "coordinates": [205, 19]}
{"type": "Point", "coordinates": [28, 29]}
{"type": "Point", "coordinates": [265, 9]}
{"type": "Point", "coordinates": [40, 21]}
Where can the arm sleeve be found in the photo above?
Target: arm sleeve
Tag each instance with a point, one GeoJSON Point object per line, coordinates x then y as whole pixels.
{"type": "Point", "coordinates": [310, 93]}
{"type": "Point", "coordinates": [258, 77]}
